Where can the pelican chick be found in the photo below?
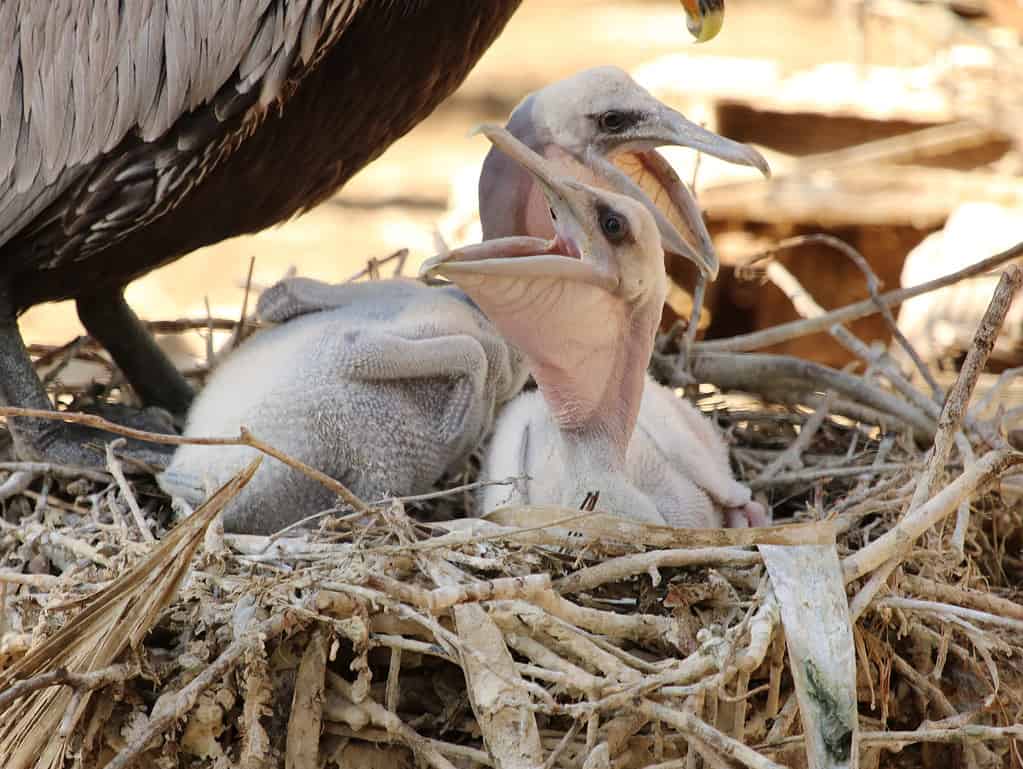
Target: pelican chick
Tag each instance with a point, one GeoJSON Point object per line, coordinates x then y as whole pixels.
{"type": "Point", "coordinates": [385, 391]}
{"type": "Point", "coordinates": [584, 308]}
{"type": "Point", "coordinates": [602, 128]}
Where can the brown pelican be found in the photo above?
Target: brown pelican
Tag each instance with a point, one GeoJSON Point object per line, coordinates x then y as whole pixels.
{"type": "Point", "coordinates": [584, 308]}
{"type": "Point", "coordinates": [134, 133]}
{"type": "Point", "coordinates": [385, 391]}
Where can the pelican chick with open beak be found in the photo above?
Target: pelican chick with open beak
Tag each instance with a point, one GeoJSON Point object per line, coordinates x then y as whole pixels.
{"type": "Point", "coordinates": [583, 307]}
{"type": "Point", "coordinates": [602, 128]}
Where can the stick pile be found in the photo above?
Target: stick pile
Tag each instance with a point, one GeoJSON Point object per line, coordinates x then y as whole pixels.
{"type": "Point", "coordinates": [879, 625]}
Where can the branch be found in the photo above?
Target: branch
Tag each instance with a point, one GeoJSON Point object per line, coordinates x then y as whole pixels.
{"type": "Point", "coordinates": [798, 328]}
{"type": "Point", "coordinates": [97, 679]}
{"type": "Point", "coordinates": [244, 439]}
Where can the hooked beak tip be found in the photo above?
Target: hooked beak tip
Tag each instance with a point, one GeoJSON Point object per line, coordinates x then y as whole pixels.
{"type": "Point", "coordinates": [428, 269]}
{"type": "Point", "coordinates": [761, 164]}
{"type": "Point", "coordinates": [704, 18]}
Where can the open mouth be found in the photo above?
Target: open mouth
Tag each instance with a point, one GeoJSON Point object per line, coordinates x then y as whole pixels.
{"type": "Point", "coordinates": [565, 246]}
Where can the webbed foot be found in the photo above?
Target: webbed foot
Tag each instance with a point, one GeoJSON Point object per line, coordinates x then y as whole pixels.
{"type": "Point", "coordinates": [75, 444]}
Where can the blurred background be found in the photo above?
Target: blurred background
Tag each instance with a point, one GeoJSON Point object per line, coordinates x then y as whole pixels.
{"type": "Point", "coordinates": [880, 119]}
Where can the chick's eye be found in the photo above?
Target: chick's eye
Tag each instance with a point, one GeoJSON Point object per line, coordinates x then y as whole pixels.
{"type": "Point", "coordinates": [613, 226]}
{"type": "Point", "coordinates": [612, 121]}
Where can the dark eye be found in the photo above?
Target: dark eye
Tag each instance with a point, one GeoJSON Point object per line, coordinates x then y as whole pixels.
{"type": "Point", "coordinates": [613, 226]}
{"type": "Point", "coordinates": [612, 121]}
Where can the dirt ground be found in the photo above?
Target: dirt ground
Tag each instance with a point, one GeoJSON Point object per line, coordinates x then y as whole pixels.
{"type": "Point", "coordinates": [398, 200]}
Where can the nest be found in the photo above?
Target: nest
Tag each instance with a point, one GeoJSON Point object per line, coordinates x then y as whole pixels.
{"type": "Point", "coordinates": [878, 625]}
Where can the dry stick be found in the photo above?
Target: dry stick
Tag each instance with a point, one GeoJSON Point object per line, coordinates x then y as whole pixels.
{"type": "Point", "coordinates": [961, 596]}
{"type": "Point", "coordinates": [444, 597]}
{"type": "Point", "coordinates": [898, 740]}
{"type": "Point", "coordinates": [816, 473]}
{"type": "Point", "coordinates": [965, 449]}
{"type": "Point", "coordinates": [41, 581]}
{"type": "Point", "coordinates": [629, 565]}
{"type": "Point", "coordinates": [16, 484]}
{"type": "Point", "coordinates": [239, 329]}
{"type": "Point", "coordinates": [373, 264]}
{"type": "Point", "coordinates": [699, 294]}
{"type": "Point", "coordinates": [70, 472]}
{"type": "Point", "coordinates": [934, 607]}
{"type": "Point", "coordinates": [796, 329]}
{"type": "Point", "coordinates": [690, 724]}
{"type": "Point", "coordinates": [554, 755]}
{"type": "Point", "coordinates": [97, 679]}
{"type": "Point", "coordinates": [244, 439]}
{"type": "Point", "coordinates": [765, 373]}
{"type": "Point", "coordinates": [634, 626]}
{"type": "Point", "coordinates": [114, 466]}
{"type": "Point", "coordinates": [302, 747]}
{"type": "Point", "coordinates": [873, 288]}
{"type": "Point", "coordinates": [950, 421]}
{"type": "Point", "coordinates": [806, 306]}
{"type": "Point", "coordinates": [400, 500]}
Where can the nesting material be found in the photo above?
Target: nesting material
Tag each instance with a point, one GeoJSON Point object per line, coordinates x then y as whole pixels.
{"type": "Point", "coordinates": [879, 624]}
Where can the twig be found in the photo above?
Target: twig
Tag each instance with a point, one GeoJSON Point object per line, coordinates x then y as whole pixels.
{"type": "Point", "coordinates": [961, 596]}
{"type": "Point", "coordinates": [97, 679]}
{"type": "Point", "coordinates": [795, 329]}
{"type": "Point", "coordinates": [934, 607]}
{"type": "Point", "coordinates": [239, 329]}
{"type": "Point", "coordinates": [559, 749]}
{"type": "Point", "coordinates": [807, 306]}
{"type": "Point", "coordinates": [244, 439]}
{"type": "Point", "coordinates": [41, 581]}
{"type": "Point", "coordinates": [69, 472]}
{"type": "Point", "coordinates": [302, 750]}
{"type": "Point", "coordinates": [772, 374]}
{"type": "Point", "coordinates": [402, 500]}
{"type": "Point", "coordinates": [114, 466]}
{"type": "Point", "coordinates": [16, 483]}
{"type": "Point", "coordinates": [874, 288]}
{"type": "Point", "coordinates": [817, 473]}
{"type": "Point", "coordinates": [630, 565]}
{"type": "Point", "coordinates": [899, 739]}
{"type": "Point", "coordinates": [690, 724]}
{"type": "Point", "coordinates": [443, 598]}
{"type": "Point", "coordinates": [373, 265]}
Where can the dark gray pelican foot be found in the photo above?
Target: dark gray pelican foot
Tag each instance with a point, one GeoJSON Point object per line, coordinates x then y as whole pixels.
{"type": "Point", "coordinates": [61, 442]}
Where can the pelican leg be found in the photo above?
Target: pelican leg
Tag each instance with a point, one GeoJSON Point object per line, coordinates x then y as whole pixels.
{"type": "Point", "coordinates": [49, 439]}
{"type": "Point", "coordinates": [111, 322]}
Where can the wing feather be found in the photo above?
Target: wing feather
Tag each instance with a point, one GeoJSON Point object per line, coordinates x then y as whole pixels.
{"type": "Point", "coordinates": [79, 76]}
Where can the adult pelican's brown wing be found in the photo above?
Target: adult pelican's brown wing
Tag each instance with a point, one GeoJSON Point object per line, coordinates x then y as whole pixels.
{"type": "Point", "coordinates": [79, 78]}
